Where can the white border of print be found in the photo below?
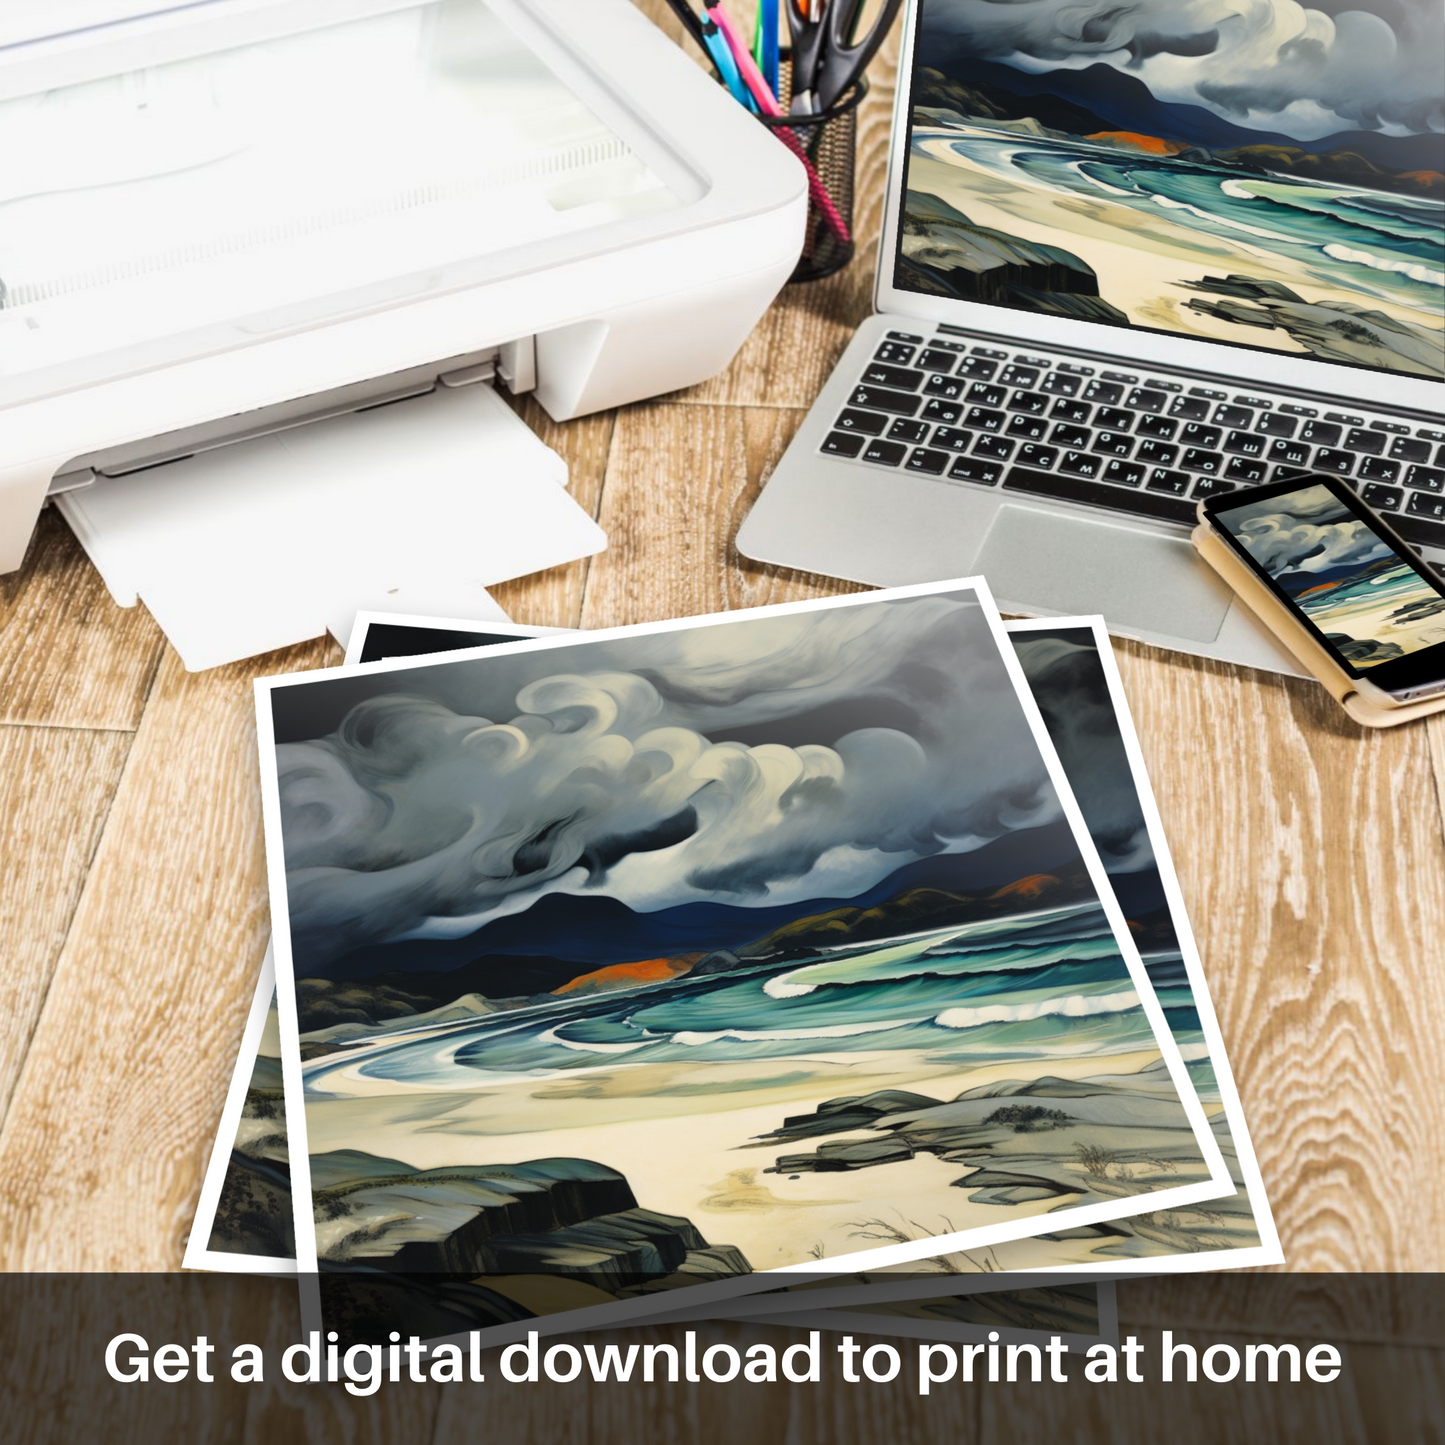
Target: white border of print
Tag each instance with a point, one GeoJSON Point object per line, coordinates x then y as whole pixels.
{"type": "Point", "coordinates": [199, 1254]}
{"type": "Point", "coordinates": [1219, 1182]}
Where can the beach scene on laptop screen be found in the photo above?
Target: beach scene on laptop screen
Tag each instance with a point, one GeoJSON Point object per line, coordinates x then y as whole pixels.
{"type": "Point", "coordinates": [1366, 599]}
{"type": "Point", "coordinates": [1264, 174]}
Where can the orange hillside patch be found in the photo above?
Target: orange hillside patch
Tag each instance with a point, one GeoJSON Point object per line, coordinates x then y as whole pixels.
{"type": "Point", "coordinates": [1029, 887]}
{"type": "Point", "coordinates": [1151, 143]}
{"type": "Point", "coordinates": [629, 975]}
{"type": "Point", "coordinates": [1428, 179]}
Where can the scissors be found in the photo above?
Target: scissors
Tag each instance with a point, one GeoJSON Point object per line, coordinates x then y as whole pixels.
{"type": "Point", "coordinates": [828, 56]}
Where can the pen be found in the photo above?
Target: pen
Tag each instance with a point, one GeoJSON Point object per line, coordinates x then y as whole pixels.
{"type": "Point", "coordinates": [765, 42]}
{"type": "Point", "coordinates": [716, 42]}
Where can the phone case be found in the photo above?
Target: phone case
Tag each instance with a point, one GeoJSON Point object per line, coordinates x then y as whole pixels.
{"type": "Point", "coordinates": [1338, 683]}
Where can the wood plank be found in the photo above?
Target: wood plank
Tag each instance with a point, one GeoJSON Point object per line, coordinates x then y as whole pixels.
{"type": "Point", "coordinates": [554, 598]}
{"type": "Point", "coordinates": [56, 786]}
{"type": "Point", "coordinates": [1312, 862]}
{"type": "Point", "coordinates": [115, 1110]}
{"type": "Point", "coordinates": [680, 481]}
{"type": "Point", "coordinates": [69, 657]}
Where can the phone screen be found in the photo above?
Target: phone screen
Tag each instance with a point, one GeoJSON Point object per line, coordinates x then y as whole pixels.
{"type": "Point", "coordinates": [1357, 587]}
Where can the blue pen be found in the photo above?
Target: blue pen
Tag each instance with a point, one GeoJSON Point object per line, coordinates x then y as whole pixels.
{"type": "Point", "coordinates": [768, 29]}
{"type": "Point", "coordinates": [727, 67]}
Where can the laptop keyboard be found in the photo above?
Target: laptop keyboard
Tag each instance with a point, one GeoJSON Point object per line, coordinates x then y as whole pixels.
{"type": "Point", "coordinates": [1142, 445]}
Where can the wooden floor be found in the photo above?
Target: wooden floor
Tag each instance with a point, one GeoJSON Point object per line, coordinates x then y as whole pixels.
{"type": "Point", "coordinates": [133, 907]}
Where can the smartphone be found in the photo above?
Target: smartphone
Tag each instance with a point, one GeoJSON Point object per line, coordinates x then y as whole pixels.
{"type": "Point", "coordinates": [1341, 571]}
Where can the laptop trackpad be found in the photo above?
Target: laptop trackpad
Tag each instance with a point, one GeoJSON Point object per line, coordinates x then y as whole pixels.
{"type": "Point", "coordinates": [1036, 558]}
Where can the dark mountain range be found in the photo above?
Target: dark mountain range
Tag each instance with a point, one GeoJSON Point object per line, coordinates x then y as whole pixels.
{"type": "Point", "coordinates": [1115, 101]}
{"type": "Point", "coordinates": [595, 931]}
{"type": "Point", "coordinates": [1101, 99]}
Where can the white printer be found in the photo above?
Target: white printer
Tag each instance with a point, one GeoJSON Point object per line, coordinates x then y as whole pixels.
{"type": "Point", "coordinates": [221, 220]}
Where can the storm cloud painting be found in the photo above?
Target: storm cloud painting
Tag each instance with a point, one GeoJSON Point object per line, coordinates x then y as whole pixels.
{"type": "Point", "coordinates": [1254, 171]}
{"type": "Point", "coordinates": [1369, 604]}
{"type": "Point", "coordinates": [687, 952]}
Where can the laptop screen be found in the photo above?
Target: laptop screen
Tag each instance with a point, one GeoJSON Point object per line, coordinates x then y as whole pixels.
{"type": "Point", "coordinates": [1243, 171]}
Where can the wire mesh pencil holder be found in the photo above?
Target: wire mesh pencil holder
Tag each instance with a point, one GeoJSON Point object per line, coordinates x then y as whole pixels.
{"type": "Point", "coordinates": [826, 143]}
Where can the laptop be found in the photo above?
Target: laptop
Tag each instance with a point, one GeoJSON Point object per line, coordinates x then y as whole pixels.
{"type": "Point", "coordinates": [1131, 258]}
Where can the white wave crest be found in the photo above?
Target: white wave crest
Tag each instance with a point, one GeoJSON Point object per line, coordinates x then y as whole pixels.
{"type": "Point", "coordinates": [1413, 269]}
{"type": "Point", "coordinates": [1076, 1006]}
{"type": "Point", "coordinates": [550, 1037]}
{"type": "Point", "coordinates": [837, 1031]}
{"type": "Point", "coordinates": [1233, 188]}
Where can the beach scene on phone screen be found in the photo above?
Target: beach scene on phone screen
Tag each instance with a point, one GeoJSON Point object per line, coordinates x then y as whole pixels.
{"type": "Point", "coordinates": [1372, 605]}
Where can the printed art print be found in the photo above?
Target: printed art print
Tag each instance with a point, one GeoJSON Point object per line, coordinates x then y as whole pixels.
{"type": "Point", "coordinates": [616, 950]}
{"type": "Point", "coordinates": [1271, 174]}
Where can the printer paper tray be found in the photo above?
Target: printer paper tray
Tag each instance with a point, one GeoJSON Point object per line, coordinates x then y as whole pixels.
{"type": "Point", "coordinates": [416, 506]}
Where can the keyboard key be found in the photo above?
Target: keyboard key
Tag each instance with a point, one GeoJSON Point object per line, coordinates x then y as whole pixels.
{"type": "Point", "coordinates": [1124, 474]}
{"type": "Point", "coordinates": [1378, 469]}
{"type": "Point", "coordinates": [1142, 398]}
{"type": "Point", "coordinates": [983, 419]}
{"type": "Point", "coordinates": [878, 374]}
{"type": "Point", "coordinates": [1041, 457]}
{"type": "Point", "coordinates": [1156, 454]}
{"type": "Point", "coordinates": [996, 449]}
{"type": "Point", "coordinates": [1081, 464]}
{"type": "Point", "coordinates": [895, 353]}
{"type": "Point", "coordinates": [1208, 393]}
{"type": "Point", "coordinates": [1032, 428]}
{"type": "Point", "coordinates": [886, 454]}
{"type": "Point", "coordinates": [1395, 427]}
{"type": "Point", "coordinates": [1211, 487]}
{"type": "Point", "coordinates": [1440, 457]}
{"type": "Point", "coordinates": [1077, 370]}
{"type": "Point", "coordinates": [1423, 504]}
{"type": "Point", "coordinates": [1426, 479]}
{"type": "Point", "coordinates": [1101, 494]}
{"type": "Point", "coordinates": [1189, 408]}
{"type": "Point", "coordinates": [878, 398]}
{"type": "Point", "coordinates": [1114, 418]}
{"type": "Point", "coordinates": [1406, 449]}
{"type": "Point", "coordinates": [905, 430]}
{"type": "Point", "coordinates": [971, 469]}
{"type": "Point", "coordinates": [1059, 383]}
{"type": "Point", "coordinates": [1199, 460]}
{"type": "Point", "coordinates": [1371, 443]}
{"type": "Point", "coordinates": [1430, 434]}
{"type": "Point", "coordinates": [1245, 444]}
{"type": "Point", "coordinates": [1036, 361]}
{"type": "Point", "coordinates": [1274, 424]}
{"type": "Point", "coordinates": [1107, 392]}
{"type": "Point", "coordinates": [1070, 436]}
{"type": "Point", "coordinates": [1344, 418]}
{"type": "Point", "coordinates": [1195, 435]}
{"type": "Point", "coordinates": [1255, 401]}
{"type": "Point", "coordinates": [905, 336]}
{"type": "Point", "coordinates": [1331, 459]}
{"type": "Point", "coordinates": [867, 422]}
{"type": "Point", "coordinates": [945, 411]}
{"type": "Point", "coordinates": [981, 394]}
{"type": "Point", "coordinates": [1321, 433]}
{"type": "Point", "coordinates": [1289, 453]}
{"type": "Point", "coordinates": [1016, 375]}
{"type": "Point", "coordinates": [1066, 410]}
{"type": "Point", "coordinates": [990, 351]}
{"type": "Point", "coordinates": [1162, 385]}
{"type": "Point", "coordinates": [1382, 499]}
{"type": "Point", "coordinates": [1419, 531]}
{"type": "Point", "coordinates": [1245, 469]}
{"type": "Point", "coordinates": [1127, 377]}
{"type": "Point", "coordinates": [948, 387]}
{"type": "Point", "coordinates": [958, 347]}
{"type": "Point", "coordinates": [935, 360]}
{"type": "Point", "coordinates": [1293, 410]}
{"type": "Point", "coordinates": [1111, 443]}
{"type": "Point", "coordinates": [955, 439]}
{"type": "Point", "coordinates": [976, 368]}
{"type": "Point", "coordinates": [1162, 427]}
{"type": "Point", "coordinates": [931, 462]}
{"type": "Point", "coordinates": [843, 444]}
{"type": "Point", "coordinates": [1235, 416]}
{"type": "Point", "coordinates": [1035, 403]}
{"type": "Point", "coordinates": [1163, 480]}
